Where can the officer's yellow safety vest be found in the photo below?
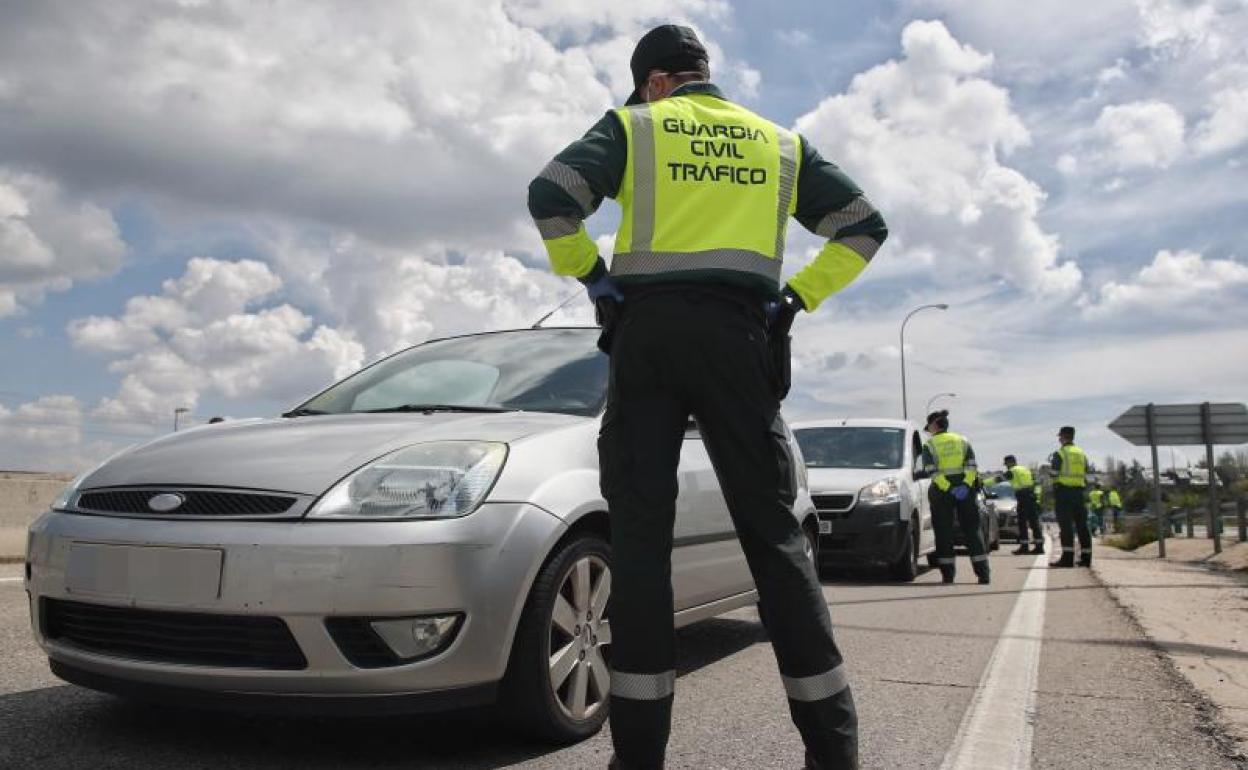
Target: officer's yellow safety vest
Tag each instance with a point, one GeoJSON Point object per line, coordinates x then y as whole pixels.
{"type": "Point", "coordinates": [708, 186]}
{"type": "Point", "coordinates": [1074, 468]}
{"type": "Point", "coordinates": [1095, 498]}
{"type": "Point", "coordinates": [949, 451]}
{"type": "Point", "coordinates": [1114, 500]}
{"type": "Point", "coordinates": [1020, 477]}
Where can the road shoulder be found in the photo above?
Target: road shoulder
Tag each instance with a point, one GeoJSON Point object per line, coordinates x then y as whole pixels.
{"type": "Point", "coordinates": [1194, 610]}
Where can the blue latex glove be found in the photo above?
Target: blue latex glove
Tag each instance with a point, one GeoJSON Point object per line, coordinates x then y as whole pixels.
{"type": "Point", "coordinates": [603, 287]}
{"type": "Point", "coordinates": [961, 492]}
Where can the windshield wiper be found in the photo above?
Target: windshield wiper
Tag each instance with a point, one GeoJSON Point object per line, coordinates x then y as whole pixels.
{"type": "Point", "coordinates": [302, 411]}
{"type": "Point", "coordinates": [430, 408]}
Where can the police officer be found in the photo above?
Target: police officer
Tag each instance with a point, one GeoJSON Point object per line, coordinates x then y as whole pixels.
{"type": "Point", "coordinates": [1028, 508]}
{"type": "Point", "coordinates": [949, 461]}
{"type": "Point", "coordinates": [1113, 504]}
{"type": "Point", "coordinates": [696, 323]}
{"type": "Point", "coordinates": [1070, 468]}
{"type": "Point", "coordinates": [1096, 509]}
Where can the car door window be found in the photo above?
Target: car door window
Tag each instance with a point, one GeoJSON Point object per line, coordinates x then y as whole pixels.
{"type": "Point", "coordinates": [916, 449]}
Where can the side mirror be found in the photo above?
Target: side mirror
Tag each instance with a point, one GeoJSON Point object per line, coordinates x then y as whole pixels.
{"type": "Point", "coordinates": [919, 474]}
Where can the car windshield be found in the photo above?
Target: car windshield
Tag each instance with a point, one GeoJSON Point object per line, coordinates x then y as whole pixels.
{"type": "Point", "coordinates": [856, 447]}
{"type": "Point", "coordinates": [536, 370]}
{"type": "Point", "coordinates": [1003, 490]}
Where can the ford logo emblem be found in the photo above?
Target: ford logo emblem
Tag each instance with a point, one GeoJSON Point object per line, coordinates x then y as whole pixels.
{"type": "Point", "coordinates": [165, 502]}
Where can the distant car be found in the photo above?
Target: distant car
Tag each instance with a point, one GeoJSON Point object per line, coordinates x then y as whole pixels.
{"type": "Point", "coordinates": [867, 484]}
{"type": "Point", "coordinates": [426, 534]}
{"type": "Point", "coordinates": [1002, 500]}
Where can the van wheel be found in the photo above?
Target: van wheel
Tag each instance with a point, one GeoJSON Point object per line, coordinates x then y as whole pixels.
{"type": "Point", "coordinates": [558, 681]}
{"type": "Point", "coordinates": [906, 568]}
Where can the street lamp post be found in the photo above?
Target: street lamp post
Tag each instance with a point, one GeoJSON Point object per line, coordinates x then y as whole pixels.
{"type": "Point", "coordinates": [178, 412]}
{"type": "Point", "coordinates": [905, 411]}
{"type": "Point", "coordinates": [932, 400]}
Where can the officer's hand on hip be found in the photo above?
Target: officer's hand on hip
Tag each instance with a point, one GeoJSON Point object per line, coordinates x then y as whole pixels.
{"type": "Point", "coordinates": [961, 492]}
{"type": "Point", "coordinates": [603, 287]}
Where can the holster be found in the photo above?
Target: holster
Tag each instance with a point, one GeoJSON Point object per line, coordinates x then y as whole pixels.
{"type": "Point", "coordinates": [781, 345]}
{"type": "Point", "coordinates": [607, 313]}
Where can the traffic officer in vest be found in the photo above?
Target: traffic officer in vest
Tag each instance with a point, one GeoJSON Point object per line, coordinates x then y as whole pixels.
{"type": "Point", "coordinates": [1113, 505]}
{"type": "Point", "coordinates": [949, 461]}
{"type": "Point", "coordinates": [1096, 507]}
{"type": "Point", "coordinates": [697, 323]}
{"type": "Point", "coordinates": [1024, 485]}
{"type": "Point", "coordinates": [1070, 469]}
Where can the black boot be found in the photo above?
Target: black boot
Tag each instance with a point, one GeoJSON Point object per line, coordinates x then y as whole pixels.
{"type": "Point", "coordinates": [982, 574]}
{"type": "Point", "coordinates": [1039, 549]}
{"type": "Point", "coordinates": [1067, 560]}
{"type": "Point", "coordinates": [946, 574]}
{"type": "Point", "coordinates": [1021, 550]}
{"type": "Point", "coordinates": [1085, 559]}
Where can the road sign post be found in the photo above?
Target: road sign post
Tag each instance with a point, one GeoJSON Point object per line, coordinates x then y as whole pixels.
{"type": "Point", "coordinates": [1204, 424]}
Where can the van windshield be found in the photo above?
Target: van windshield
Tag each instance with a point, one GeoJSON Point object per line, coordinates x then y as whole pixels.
{"type": "Point", "coordinates": [852, 447]}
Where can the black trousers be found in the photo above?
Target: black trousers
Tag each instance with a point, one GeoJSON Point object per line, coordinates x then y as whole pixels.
{"type": "Point", "coordinates": [688, 352]}
{"type": "Point", "coordinates": [948, 512]}
{"type": "Point", "coordinates": [1072, 518]}
{"type": "Point", "coordinates": [1029, 517]}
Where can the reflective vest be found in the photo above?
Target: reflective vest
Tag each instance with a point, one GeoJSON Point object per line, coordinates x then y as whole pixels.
{"type": "Point", "coordinates": [950, 453]}
{"type": "Point", "coordinates": [708, 186]}
{"type": "Point", "coordinates": [1074, 467]}
{"type": "Point", "coordinates": [1114, 500]}
{"type": "Point", "coordinates": [1020, 477]}
{"type": "Point", "coordinates": [1095, 498]}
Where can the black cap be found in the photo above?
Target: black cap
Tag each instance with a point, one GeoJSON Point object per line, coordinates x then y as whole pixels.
{"type": "Point", "coordinates": [1066, 430]}
{"type": "Point", "coordinates": [1010, 459]}
{"type": "Point", "coordinates": [671, 48]}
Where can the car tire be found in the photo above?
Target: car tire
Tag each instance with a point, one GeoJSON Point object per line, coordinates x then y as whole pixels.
{"type": "Point", "coordinates": [530, 695]}
{"type": "Point", "coordinates": [906, 568]}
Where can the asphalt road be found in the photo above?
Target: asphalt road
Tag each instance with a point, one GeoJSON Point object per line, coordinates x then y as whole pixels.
{"type": "Point", "coordinates": [923, 669]}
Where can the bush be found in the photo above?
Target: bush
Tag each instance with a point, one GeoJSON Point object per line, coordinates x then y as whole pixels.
{"type": "Point", "coordinates": [1139, 532]}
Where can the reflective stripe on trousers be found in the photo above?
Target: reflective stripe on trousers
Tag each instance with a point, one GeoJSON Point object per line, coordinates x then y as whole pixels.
{"type": "Point", "coordinates": [817, 687]}
{"type": "Point", "coordinates": [643, 686]}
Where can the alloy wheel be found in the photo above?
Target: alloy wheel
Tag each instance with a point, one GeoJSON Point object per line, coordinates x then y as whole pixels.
{"type": "Point", "coordinates": [580, 638]}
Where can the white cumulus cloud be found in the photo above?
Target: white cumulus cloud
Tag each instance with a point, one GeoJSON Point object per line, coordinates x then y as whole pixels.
{"type": "Point", "coordinates": [924, 135]}
{"type": "Point", "coordinates": [1147, 134]}
{"type": "Point", "coordinates": [1175, 280]}
{"type": "Point", "coordinates": [48, 240]}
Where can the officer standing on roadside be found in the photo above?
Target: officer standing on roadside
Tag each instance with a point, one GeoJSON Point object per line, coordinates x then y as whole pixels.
{"type": "Point", "coordinates": [1096, 507]}
{"type": "Point", "coordinates": [1070, 467]}
{"type": "Point", "coordinates": [1028, 515]}
{"type": "Point", "coordinates": [697, 323]}
{"type": "Point", "coordinates": [949, 461]}
{"type": "Point", "coordinates": [1113, 504]}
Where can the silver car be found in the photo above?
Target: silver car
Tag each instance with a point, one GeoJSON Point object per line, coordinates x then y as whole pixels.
{"type": "Point", "coordinates": [426, 534]}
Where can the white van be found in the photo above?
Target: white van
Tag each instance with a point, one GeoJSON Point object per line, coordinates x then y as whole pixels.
{"type": "Point", "coordinates": [867, 482]}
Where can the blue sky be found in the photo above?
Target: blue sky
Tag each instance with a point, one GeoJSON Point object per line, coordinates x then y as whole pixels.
{"type": "Point", "coordinates": [223, 206]}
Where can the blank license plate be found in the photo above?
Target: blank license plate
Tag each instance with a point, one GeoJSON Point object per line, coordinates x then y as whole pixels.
{"type": "Point", "coordinates": [144, 573]}
{"type": "Point", "coordinates": [825, 527]}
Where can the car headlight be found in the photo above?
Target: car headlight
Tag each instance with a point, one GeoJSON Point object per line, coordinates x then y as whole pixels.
{"type": "Point", "coordinates": [64, 501]}
{"type": "Point", "coordinates": [886, 490]}
{"type": "Point", "coordinates": [440, 480]}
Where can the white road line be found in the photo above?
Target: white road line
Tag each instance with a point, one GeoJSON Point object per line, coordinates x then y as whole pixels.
{"type": "Point", "coordinates": [11, 580]}
{"type": "Point", "coordinates": [996, 731]}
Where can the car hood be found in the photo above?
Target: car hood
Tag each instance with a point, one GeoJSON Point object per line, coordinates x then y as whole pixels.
{"type": "Point", "coordinates": [304, 455]}
{"type": "Point", "coordinates": [846, 479]}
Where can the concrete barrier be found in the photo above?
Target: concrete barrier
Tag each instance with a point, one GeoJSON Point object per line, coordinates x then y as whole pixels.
{"type": "Point", "coordinates": [23, 496]}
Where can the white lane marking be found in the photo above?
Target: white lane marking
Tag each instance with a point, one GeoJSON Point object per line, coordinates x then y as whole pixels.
{"type": "Point", "coordinates": [997, 729]}
{"type": "Point", "coordinates": [11, 580]}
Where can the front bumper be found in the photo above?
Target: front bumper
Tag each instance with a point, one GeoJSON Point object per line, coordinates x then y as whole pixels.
{"type": "Point", "coordinates": [863, 534]}
{"type": "Point", "coordinates": [303, 572]}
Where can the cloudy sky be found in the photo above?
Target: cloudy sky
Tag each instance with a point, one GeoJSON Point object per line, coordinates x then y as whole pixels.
{"type": "Point", "coordinates": [222, 206]}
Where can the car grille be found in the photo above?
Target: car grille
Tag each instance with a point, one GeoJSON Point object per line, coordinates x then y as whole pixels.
{"type": "Point", "coordinates": [360, 645]}
{"type": "Point", "coordinates": [196, 502]}
{"type": "Point", "coordinates": [196, 639]}
{"type": "Point", "coordinates": [834, 505]}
